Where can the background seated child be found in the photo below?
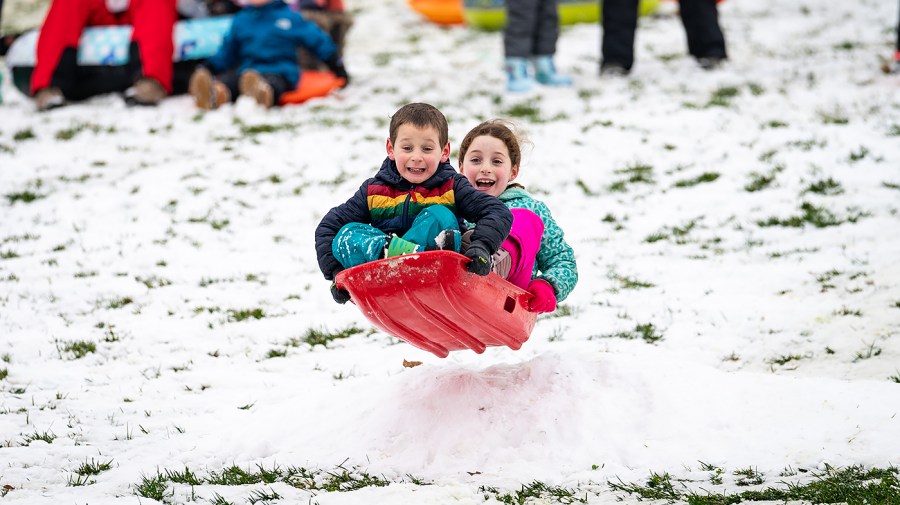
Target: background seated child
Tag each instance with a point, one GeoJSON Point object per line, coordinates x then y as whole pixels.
{"type": "Point", "coordinates": [258, 57]}
{"type": "Point", "coordinates": [540, 260]}
{"type": "Point", "coordinates": [333, 19]}
{"type": "Point", "coordinates": [415, 202]}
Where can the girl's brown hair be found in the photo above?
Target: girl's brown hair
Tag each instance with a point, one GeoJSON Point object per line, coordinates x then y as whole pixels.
{"type": "Point", "coordinates": [501, 129]}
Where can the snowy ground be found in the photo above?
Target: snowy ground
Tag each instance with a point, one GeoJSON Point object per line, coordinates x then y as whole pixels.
{"type": "Point", "coordinates": [704, 328]}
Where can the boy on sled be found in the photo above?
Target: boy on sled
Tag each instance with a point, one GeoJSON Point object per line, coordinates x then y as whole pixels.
{"type": "Point", "coordinates": [415, 202]}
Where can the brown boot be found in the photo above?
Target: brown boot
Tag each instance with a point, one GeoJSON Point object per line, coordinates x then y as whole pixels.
{"type": "Point", "coordinates": [49, 98]}
{"type": "Point", "coordinates": [145, 92]}
{"type": "Point", "coordinates": [253, 85]}
{"type": "Point", "coordinates": [208, 93]}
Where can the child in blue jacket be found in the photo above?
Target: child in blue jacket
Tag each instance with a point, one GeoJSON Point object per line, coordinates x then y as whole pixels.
{"type": "Point", "coordinates": [258, 57]}
{"type": "Point", "coordinates": [415, 202]}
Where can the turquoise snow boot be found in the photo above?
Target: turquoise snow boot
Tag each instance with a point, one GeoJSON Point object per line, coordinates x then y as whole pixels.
{"type": "Point", "coordinates": [547, 74]}
{"type": "Point", "coordinates": [517, 78]}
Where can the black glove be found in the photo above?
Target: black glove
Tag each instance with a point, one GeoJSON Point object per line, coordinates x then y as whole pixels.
{"type": "Point", "coordinates": [481, 259]}
{"type": "Point", "coordinates": [341, 296]}
{"type": "Point", "coordinates": [336, 65]}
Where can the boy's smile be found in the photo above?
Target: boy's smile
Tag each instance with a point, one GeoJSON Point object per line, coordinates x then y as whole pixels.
{"type": "Point", "coordinates": [417, 152]}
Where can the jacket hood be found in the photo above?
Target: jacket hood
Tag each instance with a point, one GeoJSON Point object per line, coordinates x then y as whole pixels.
{"type": "Point", "coordinates": [514, 193]}
{"type": "Point", "coordinates": [389, 174]}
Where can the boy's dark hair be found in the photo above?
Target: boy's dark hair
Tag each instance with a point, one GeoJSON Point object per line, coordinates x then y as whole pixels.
{"type": "Point", "coordinates": [420, 115]}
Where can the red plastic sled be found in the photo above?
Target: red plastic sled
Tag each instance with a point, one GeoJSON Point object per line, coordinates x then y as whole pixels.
{"type": "Point", "coordinates": [313, 83]}
{"type": "Point", "coordinates": [430, 301]}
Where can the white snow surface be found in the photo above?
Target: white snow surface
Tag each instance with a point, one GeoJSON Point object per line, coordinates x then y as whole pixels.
{"type": "Point", "coordinates": [154, 227]}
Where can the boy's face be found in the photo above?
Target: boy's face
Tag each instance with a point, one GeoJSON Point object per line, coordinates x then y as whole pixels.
{"type": "Point", "coordinates": [487, 165]}
{"type": "Point", "coordinates": [417, 152]}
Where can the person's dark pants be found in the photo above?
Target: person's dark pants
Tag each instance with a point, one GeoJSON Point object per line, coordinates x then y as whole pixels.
{"type": "Point", "coordinates": [701, 25]}
{"type": "Point", "coordinates": [532, 28]}
{"type": "Point", "coordinates": [279, 84]}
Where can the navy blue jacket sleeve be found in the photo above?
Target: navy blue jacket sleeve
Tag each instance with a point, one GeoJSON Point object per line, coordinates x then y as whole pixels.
{"type": "Point", "coordinates": [354, 210]}
{"type": "Point", "coordinates": [491, 216]}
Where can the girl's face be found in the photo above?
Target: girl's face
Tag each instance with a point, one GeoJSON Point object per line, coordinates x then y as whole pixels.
{"type": "Point", "coordinates": [417, 152]}
{"type": "Point", "coordinates": [487, 165]}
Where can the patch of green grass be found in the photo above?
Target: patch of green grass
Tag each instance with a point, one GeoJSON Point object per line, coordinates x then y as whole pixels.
{"type": "Point", "coordinates": [153, 281]}
{"type": "Point", "coordinates": [252, 130]}
{"type": "Point", "coordinates": [276, 353]}
{"type": "Point", "coordinates": [4, 373]}
{"type": "Point", "coordinates": [829, 187]}
{"type": "Point", "coordinates": [657, 487]}
{"type": "Point", "coordinates": [535, 492]}
{"type": "Point", "coordinates": [785, 359]}
{"type": "Point", "coordinates": [891, 185]}
{"type": "Point", "coordinates": [637, 173]}
{"type": "Point", "coordinates": [858, 155]}
{"type": "Point", "coordinates": [870, 351]}
{"type": "Point", "coordinates": [118, 303]}
{"type": "Point", "coordinates": [836, 118]}
{"type": "Point", "coordinates": [185, 476]}
{"type": "Point", "coordinates": [23, 196]}
{"type": "Point", "coordinates": [92, 467]}
{"type": "Point", "coordinates": [218, 499]}
{"type": "Point", "coordinates": [700, 179]}
{"type": "Point", "coordinates": [845, 311]}
{"type": "Point", "coordinates": [646, 332]}
{"type": "Point", "coordinates": [851, 486]}
{"type": "Point", "coordinates": [314, 337]}
{"type": "Point", "coordinates": [894, 130]}
{"type": "Point", "coordinates": [262, 496]}
{"type": "Point", "coordinates": [237, 315]}
{"type": "Point", "coordinates": [677, 233]}
{"type": "Point", "coordinates": [79, 480]}
{"type": "Point", "coordinates": [584, 188]}
{"type": "Point", "coordinates": [628, 282]}
{"type": "Point", "coordinates": [77, 349]}
{"type": "Point", "coordinates": [8, 254]}
{"type": "Point", "coordinates": [776, 124]}
{"type": "Point", "coordinates": [26, 134]}
{"type": "Point", "coordinates": [71, 132]}
{"type": "Point", "coordinates": [748, 477]}
{"type": "Point", "coordinates": [44, 437]}
{"type": "Point", "coordinates": [819, 217]}
{"type": "Point", "coordinates": [722, 97]}
{"type": "Point", "coordinates": [760, 181]}
{"type": "Point", "coordinates": [154, 488]}
{"type": "Point", "coordinates": [530, 112]}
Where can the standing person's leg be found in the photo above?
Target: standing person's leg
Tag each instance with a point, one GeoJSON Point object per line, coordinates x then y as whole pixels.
{"type": "Point", "coordinates": [518, 42]}
{"type": "Point", "coordinates": [545, 37]}
{"type": "Point", "coordinates": [619, 20]}
{"type": "Point", "coordinates": [546, 31]}
{"type": "Point", "coordinates": [704, 35]}
{"type": "Point", "coordinates": [61, 30]}
{"type": "Point", "coordinates": [154, 22]}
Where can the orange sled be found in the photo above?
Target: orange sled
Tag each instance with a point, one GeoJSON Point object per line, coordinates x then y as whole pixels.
{"type": "Point", "coordinates": [431, 301]}
{"type": "Point", "coordinates": [313, 84]}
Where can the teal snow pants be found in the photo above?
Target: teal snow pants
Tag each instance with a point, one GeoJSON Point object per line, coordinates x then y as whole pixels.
{"type": "Point", "coordinates": [358, 243]}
